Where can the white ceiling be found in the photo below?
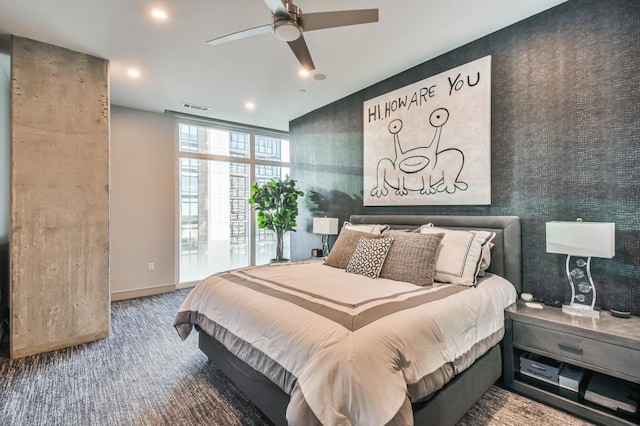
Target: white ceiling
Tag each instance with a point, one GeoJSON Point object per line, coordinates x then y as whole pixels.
{"type": "Point", "coordinates": [178, 66]}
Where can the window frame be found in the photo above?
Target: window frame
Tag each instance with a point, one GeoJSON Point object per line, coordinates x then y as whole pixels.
{"type": "Point", "coordinates": [251, 161]}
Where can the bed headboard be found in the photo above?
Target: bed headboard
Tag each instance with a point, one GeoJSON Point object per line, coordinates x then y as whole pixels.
{"type": "Point", "coordinates": [506, 255]}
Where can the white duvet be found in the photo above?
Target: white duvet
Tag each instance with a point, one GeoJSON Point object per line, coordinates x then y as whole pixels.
{"type": "Point", "coordinates": [348, 349]}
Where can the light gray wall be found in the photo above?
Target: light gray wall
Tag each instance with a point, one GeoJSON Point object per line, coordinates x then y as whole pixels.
{"type": "Point", "coordinates": [142, 195]}
{"type": "Point", "coordinates": [5, 82]}
{"type": "Point", "coordinates": [143, 165]}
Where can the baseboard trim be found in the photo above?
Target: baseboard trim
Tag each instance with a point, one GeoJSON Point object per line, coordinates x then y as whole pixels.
{"type": "Point", "coordinates": [189, 284]}
{"type": "Point", "coordinates": [142, 292]}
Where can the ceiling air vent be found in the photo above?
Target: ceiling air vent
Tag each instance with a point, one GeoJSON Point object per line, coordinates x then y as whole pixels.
{"type": "Point", "coordinates": [194, 106]}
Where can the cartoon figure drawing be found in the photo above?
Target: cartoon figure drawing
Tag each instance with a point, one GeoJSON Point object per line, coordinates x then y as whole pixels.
{"type": "Point", "coordinates": [424, 168]}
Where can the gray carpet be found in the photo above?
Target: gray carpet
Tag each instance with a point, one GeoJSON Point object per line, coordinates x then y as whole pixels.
{"type": "Point", "coordinates": [144, 375]}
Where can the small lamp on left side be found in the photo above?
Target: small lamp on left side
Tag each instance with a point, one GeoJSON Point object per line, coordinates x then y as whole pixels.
{"type": "Point", "coordinates": [325, 226]}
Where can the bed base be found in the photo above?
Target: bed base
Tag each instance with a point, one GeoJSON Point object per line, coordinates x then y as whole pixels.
{"type": "Point", "coordinates": [445, 408]}
{"type": "Point", "coordinates": [265, 394]}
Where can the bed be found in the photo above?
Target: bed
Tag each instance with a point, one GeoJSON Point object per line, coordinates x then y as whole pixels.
{"type": "Point", "coordinates": [359, 370]}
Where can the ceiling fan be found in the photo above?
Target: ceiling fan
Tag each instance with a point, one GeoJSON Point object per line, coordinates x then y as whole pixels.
{"type": "Point", "coordinates": [288, 23]}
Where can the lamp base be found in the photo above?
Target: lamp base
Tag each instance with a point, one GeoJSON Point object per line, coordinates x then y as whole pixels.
{"type": "Point", "coordinates": [580, 310]}
{"type": "Point", "coordinates": [325, 246]}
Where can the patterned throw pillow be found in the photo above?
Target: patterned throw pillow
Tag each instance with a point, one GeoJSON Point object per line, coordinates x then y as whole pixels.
{"type": "Point", "coordinates": [369, 256]}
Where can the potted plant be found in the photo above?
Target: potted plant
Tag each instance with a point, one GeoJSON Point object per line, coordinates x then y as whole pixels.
{"type": "Point", "coordinates": [276, 204]}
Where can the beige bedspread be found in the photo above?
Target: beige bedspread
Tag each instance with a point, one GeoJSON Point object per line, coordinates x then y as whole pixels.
{"type": "Point", "coordinates": [348, 349]}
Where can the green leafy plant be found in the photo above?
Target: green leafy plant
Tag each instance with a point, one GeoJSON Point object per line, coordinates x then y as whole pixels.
{"type": "Point", "coordinates": [276, 204]}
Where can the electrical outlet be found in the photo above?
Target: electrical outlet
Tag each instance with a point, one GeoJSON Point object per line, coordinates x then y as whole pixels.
{"type": "Point", "coordinates": [151, 266]}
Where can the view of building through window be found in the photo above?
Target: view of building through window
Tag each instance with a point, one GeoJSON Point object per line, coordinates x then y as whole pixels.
{"type": "Point", "coordinates": [217, 168]}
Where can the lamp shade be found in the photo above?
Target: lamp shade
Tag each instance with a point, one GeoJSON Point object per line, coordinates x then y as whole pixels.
{"type": "Point", "coordinates": [596, 239]}
{"type": "Point", "coordinates": [325, 225]}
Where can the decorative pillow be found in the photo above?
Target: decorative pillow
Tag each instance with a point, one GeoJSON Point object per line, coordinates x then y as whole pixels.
{"type": "Point", "coordinates": [388, 231]}
{"type": "Point", "coordinates": [370, 229]}
{"type": "Point", "coordinates": [369, 256]}
{"type": "Point", "coordinates": [485, 261]}
{"type": "Point", "coordinates": [460, 254]}
{"type": "Point", "coordinates": [344, 247]}
{"type": "Point", "coordinates": [412, 257]}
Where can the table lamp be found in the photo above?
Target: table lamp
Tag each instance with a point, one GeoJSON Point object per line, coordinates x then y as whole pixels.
{"type": "Point", "coordinates": [325, 226]}
{"type": "Point", "coordinates": [581, 240]}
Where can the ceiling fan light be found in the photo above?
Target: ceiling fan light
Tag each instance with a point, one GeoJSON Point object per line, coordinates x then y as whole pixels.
{"type": "Point", "coordinates": [286, 30]}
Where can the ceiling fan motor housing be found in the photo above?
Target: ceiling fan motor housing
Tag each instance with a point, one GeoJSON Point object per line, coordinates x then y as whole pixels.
{"type": "Point", "coordinates": [287, 27]}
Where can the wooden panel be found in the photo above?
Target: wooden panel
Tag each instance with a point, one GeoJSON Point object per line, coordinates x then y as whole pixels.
{"type": "Point", "coordinates": [59, 198]}
{"type": "Point", "coordinates": [614, 359]}
{"type": "Point", "coordinates": [617, 331]}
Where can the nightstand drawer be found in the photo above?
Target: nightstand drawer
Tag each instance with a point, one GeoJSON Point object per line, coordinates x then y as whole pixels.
{"type": "Point", "coordinates": [604, 355]}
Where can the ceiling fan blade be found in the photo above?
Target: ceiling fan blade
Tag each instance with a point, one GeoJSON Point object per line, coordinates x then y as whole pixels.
{"type": "Point", "coordinates": [277, 7]}
{"type": "Point", "coordinates": [321, 20]}
{"type": "Point", "coordinates": [300, 49]}
{"type": "Point", "coordinates": [241, 34]}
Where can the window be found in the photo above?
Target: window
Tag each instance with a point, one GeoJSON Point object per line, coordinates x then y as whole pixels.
{"type": "Point", "coordinates": [218, 165]}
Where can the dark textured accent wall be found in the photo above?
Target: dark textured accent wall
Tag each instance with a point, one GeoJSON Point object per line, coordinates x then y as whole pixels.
{"type": "Point", "coordinates": [565, 141]}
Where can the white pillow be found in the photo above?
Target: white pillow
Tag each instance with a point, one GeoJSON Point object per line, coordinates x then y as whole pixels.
{"type": "Point", "coordinates": [460, 254]}
{"type": "Point", "coordinates": [369, 229]}
{"type": "Point", "coordinates": [485, 261]}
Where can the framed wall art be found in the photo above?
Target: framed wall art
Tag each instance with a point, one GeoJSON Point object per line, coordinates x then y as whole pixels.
{"type": "Point", "coordinates": [429, 143]}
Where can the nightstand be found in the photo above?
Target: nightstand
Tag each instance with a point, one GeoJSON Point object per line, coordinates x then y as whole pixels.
{"type": "Point", "coordinates": [608, 345]}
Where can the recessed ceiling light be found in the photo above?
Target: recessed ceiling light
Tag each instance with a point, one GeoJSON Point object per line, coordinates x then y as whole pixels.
{"type": "Point", "coordinates": [319, 77]}
{"type": "Point", "coordinates": [250, 106]}
{"type": "Point", "coordinates": [133, 73]}
{"type": "Point", "coordinates": [159, 14]}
